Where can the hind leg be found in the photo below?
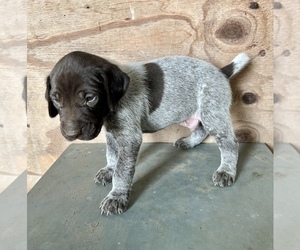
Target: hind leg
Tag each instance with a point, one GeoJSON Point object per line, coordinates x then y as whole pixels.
{"type": "Point", "coordinates": [219, 126]}
{"type": "Point", "coordinates": [197, 136]}
{"type": "Point", "coordinates": [225, 174]}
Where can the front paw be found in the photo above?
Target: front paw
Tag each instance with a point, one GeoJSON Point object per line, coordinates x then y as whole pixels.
{"type": "Point", "coordinates": [223, 178]}
{"type": "Point", "coordinates": [115, 202]}
{"type": "Point", "coordinates": [104, 176]}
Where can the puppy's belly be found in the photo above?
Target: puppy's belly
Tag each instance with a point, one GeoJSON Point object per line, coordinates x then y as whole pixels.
{"type": "Point", "coordinates": [150, 127]}
{"type": "Point", "coordinates": [191, 123]}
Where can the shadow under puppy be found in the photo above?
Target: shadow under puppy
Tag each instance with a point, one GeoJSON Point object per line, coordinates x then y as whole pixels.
{"type": "Point", "coordinates": [89, 92]}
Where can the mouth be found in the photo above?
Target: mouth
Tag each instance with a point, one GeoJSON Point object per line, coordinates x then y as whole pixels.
{"type": "Point", "coordinates": [88, 132]}
{"type": "Point", "coordinates": [89, 136]}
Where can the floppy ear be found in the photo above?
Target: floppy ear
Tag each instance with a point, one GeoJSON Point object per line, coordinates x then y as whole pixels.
{"type": "Point", "coordinates": [51, 109]}
{"type": "Point", "coordinates": [116, 83]}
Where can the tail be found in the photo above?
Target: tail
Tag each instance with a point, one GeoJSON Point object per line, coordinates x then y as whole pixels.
{"type": "Point", "coordinates": [237, 64]}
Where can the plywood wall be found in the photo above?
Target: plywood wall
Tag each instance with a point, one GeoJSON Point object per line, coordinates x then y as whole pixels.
{"type": "Point", "coordinates": [212, 30]}
{"type": "Point", "coordinates": [12, 106]}
{"type": "Point", "coordinates": [287, 72]}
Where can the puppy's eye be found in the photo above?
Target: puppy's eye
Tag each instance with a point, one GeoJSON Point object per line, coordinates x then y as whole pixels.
{"type": "Point", "coordinates": [55, 99]}
{"type": "Point", "coordinates": [91, 100]}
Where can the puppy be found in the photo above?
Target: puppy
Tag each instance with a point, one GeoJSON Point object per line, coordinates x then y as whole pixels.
{"type": "Point", "coordinates": [89, 92]}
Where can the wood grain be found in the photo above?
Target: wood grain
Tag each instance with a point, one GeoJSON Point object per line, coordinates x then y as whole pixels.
{"type": "Point", "coordinates": [287, 68]}
{"type": "Point", "coordinates": [126, 31]}
{"type": "Point", "coordinates": [12, 106]}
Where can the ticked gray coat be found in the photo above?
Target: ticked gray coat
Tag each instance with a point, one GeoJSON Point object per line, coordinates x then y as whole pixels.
{"type": "Point", "coordinates": [89, 92]}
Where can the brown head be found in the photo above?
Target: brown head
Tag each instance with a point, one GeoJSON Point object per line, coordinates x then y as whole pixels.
{"type": "Point", "coordinates": [83, 88]}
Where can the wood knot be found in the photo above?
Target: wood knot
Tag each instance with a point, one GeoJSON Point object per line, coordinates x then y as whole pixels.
{"type": "Point", "coordinates": [277, 98]}
{"type": "Point", "coordinates": [277, 5]}
{"type": "Point", "coordinates": [232, 32]}
{"type": "Point", "coordinates": [249, 98]}
{"type": "Point", "coordinates": [278, 135]}
{"type": "Point", "coordinates": [262, 52]}
{"type": "Point", "coordinates": [286, 52]}
{"type": "Point", "coordinates": [254, 5]}
{"type": "Point", "coordinates": [247, 134]}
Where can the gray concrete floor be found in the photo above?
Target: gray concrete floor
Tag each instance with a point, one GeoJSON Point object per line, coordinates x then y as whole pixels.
{"type": "Point", "coordinates": [174, 204]}
{"type": "Point", "coordinates": [13, 215]}
{"type": "Point", "coordinates": [286, 197]}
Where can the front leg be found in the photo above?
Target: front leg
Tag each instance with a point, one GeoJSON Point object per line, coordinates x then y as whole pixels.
{"type": "Point", "coordinates": [118, 198]}
{"type": "Point", "coordinates": [104, 175]}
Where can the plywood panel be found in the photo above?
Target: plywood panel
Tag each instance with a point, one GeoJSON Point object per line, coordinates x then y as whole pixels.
{"type": "Point", "coordinates": [12, 79]}
{"type": "Point", "coordinates": [214, 30]}
{"type": "Point", "coordinates": [287, 68]}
